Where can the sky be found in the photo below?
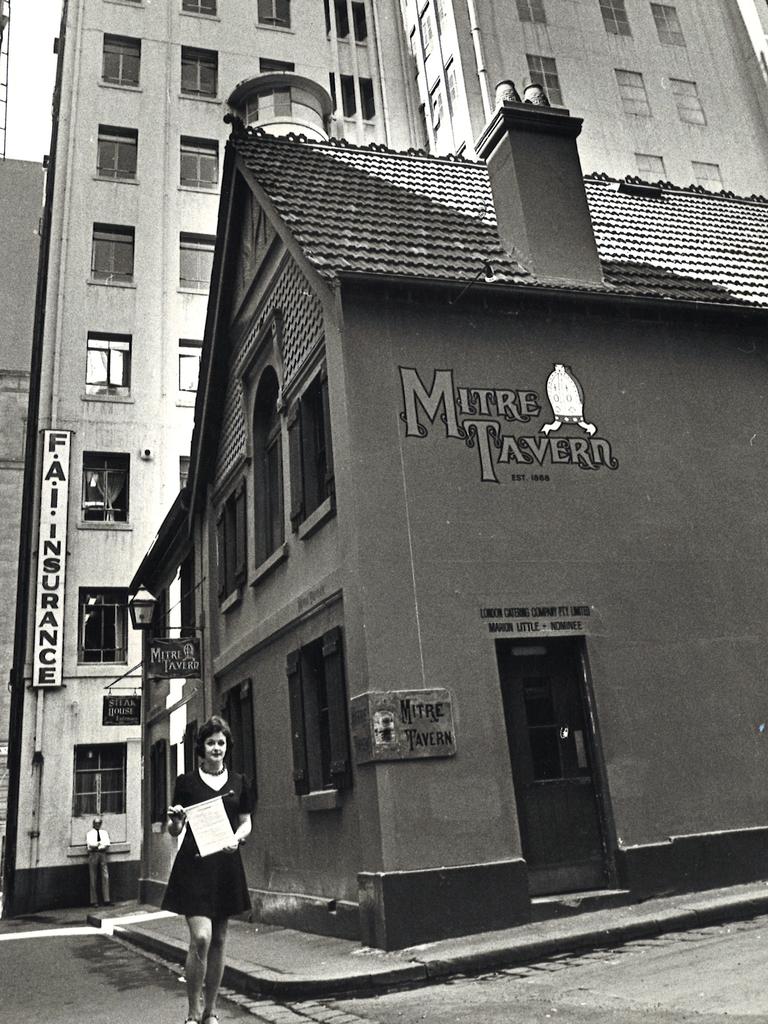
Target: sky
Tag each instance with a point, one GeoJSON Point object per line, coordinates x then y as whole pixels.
{"type": "Point", "coordinates": [31, 73]}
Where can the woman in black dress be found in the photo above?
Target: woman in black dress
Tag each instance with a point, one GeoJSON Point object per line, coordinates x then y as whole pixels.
{"type": "Point", "coordinates": [208, 890]}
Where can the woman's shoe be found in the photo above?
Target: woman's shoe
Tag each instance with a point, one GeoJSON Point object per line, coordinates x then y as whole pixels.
{"type": "Point", "coordinates": [212, 1018]}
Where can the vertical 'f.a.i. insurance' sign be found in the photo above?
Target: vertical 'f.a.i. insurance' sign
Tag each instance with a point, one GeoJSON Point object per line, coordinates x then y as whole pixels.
{"type": "Point", "coordinates": [51, 560]}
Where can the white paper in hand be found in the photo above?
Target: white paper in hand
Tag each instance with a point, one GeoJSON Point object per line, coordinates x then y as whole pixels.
{"type": "Point", "coordinates": [210, 826]}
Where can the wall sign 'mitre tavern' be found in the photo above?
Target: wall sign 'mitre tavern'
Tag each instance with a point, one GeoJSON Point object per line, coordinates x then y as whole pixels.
{"type": "Point", "coordinates": [477, 415]}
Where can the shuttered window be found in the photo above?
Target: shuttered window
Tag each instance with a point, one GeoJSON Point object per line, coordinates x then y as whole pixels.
{"type": "Point", "coordinates": [231, 542]}
{"type": "Point", "coordinates": [318, 708]}
{"type": "Point", "coordinates": [237, 709]}
{"type": "Point", "coordinates": [310, 451]}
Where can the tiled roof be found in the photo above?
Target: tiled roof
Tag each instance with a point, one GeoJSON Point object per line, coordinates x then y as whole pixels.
{"type": "Point", "coordinates": [370, 210]}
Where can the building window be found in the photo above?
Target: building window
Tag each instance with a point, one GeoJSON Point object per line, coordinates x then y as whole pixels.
{"type": "Point", "coordinates": [108, 364]}
{"type": "Point", "coordinates": [634, 98]}
{"type": "Point", "coordinates": [708, 175]}
{"type": "Point", "coordinates": [318, 706]}
{"type": "Point", "coordinates": [199, 6]}
{"type": "Point", "coordinates": [436, 104]}
{"type": "Point", "coordinates": [531, 10]}
{"type": "Point", "coordinates": [189, 364]}
{"type": "Point", "coordinates": [367, 99]}
{"type": "Point", "coordinates": [268, 468]}
{"type": "Point", "coordinates": [231, 545]}
{"type": "Point", "coordinates": [183, 471]}
{"type": "Point", "coordinates": [195, 261]}
{"type": "Point", "coordinates": [359, 20]}
{"type": "Point", "coordinates": [615, 17]}
{"type": "Point", "coordinates": [688, 104]}
{"type": "Point", "coordinates": [116, 152]}
{"type": "Point", "coordinates": [199, 71]}
{"type": "Point", "coordinates": [158, 780]}
{"type": "Point", "coordinates": [275, 12]}
{"type": "Point", "coordinates": [112, 253]}
{"type": "Point", "coordinates": [543, 70]}
{"type": "Point", "coordinates": [199, 161]}
{"type": "Point", "coordinates": [190, 738]}
{"type": "Point", "coordinates": [348, 99]}
{"type": "Point", "coordinates": [427, 32]}
{"type": "Point", "coordinates": [668, 25]}
{"type": "Point", "coordinates": [266, 64]}
{"type": "Point", "coordinates": [342, 19]}
{"type": "Point", "coordinates": [121, 60]}
{"type": "Point", "coordinates": [270, 103]}
{"type": "Point", "coordinates": [99, 779]}
{"type": "Point", "coordinates": [102, 626]}
{"type": "Point", "coordinates": [105, 487]}
{"type": "Point", "coordinates": [653, 166]}
{"type": "Point", "coordinates": [311, 457]}
{"type": "Point", "coordinates": [237, 709]}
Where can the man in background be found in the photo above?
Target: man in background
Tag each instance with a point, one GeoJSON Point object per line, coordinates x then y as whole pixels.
{"type": "Point", "coordinates": [97, 842]}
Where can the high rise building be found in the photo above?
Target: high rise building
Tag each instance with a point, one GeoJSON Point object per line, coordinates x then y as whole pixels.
{"type": "Point", "coordinates": [138, 134]}
{"type": "Point", "coordinates": [131, 222]}
{"type": "Point", "coordinates": [21, 198]}
{"type": "Point", "coordinates": [666, 90]}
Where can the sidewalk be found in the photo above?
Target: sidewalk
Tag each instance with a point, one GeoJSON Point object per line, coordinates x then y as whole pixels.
{"type": "Point", "coordinates": [286, 964]}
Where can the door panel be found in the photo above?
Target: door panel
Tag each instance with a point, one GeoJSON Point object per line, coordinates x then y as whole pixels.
{"type": "Point", "coordinates": [550, 753]}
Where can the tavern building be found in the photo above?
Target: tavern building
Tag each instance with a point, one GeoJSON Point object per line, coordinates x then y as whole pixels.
{"type": "Point", "coordinates": [466, 439]}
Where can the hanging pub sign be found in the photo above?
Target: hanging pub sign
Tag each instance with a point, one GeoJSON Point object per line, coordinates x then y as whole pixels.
{"type": "Point", "coordinates": [121, 710]}
{"type": "Point", "coordinates": [173, 658]}
{"type": "Point", "coordinates": [51, 560]}
{"type": "Point", "coordinates": [398, 725]}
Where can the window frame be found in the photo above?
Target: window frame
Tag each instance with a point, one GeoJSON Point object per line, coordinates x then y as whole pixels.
{"type": "Point", "coordinates": [532, 12]}
{"type": "Point", "coordinates": [232, 542]}
{"type": "Point", "coordinates": [199, 60]}
{"type": "Point", "coordinates": [317, 697]}
{"type": "Point", "coordinates": [105, 240]}
{"type": "Point", "coordinates": [712, 184]}
{"type": "Point", "coordinates": [626, 97]}
{"type": "Point", "coordinates": [684, 108]}
{"type": "Point", "coordinates": [191, 242]}
{"type": "Point", "coordinates": [113, 466]}
{"type": "Point", "coordinates": [274, 13]}
{"type": "Point", "coordinates": [198, 150]}
{"type": "Point", "coordinates": [547, 78]}
{"type": "Point", "coordinates": [115, 343]}
{"type": "Point", "coordinates": [615, 18]}
{"type": "Point", "coordinates": [668, 27]}
{"type": "Point", "coordinates": [125, 48]}
{"type": "Point", "coordinates": [82, 807]}
{"type": "Point", "coordinates": [121, 624]}
{"type": "Point", "coordinates": [268, 468]}
{"type": "Point", "coordinates": [661, 171]}
{"type": "Point", "coordinates": [124, 140]}
{"type": "Point", "coordinates": [189, 348]}
{"type": "Point", "coordinates": [196, 7]}
{"type": "Point", "coordinates": [310, 446]}
{"type": "Point", "coordinates": [237, 708]}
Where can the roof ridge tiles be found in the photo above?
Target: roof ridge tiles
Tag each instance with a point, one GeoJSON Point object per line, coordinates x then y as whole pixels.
{"type": "Point", "coordinates": [671, 186]}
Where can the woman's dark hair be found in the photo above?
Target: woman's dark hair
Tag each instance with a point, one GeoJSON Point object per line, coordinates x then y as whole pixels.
{"type": "Point", "coordinates": [214, 724]}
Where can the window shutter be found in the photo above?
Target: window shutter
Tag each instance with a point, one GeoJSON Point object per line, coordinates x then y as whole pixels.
{"type": "Point", "coordinates": [221, 554]}
{"type": "Point", "coordinates": [329, 479]}
{"type": "Point", "coordinates": [247, 737]}
{"type": "Point", "coordinates": [298, 729]}
{"type": "Point", "coordinates": [296, 463]}
{"type": "Point", "coordinates": [241, 535]}
{"type": "Point", "coordinates": [333, 661]}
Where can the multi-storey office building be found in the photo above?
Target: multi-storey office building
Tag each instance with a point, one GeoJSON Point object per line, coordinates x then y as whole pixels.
{"type": "Point", "coordinates": [138, 133]}
{"type": "Point", "coordinates": [21, 193]}
{"type": "Point", "coordinates": [665, 89]}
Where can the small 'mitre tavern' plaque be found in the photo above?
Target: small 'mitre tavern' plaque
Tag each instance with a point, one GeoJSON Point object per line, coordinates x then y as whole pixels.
{"type": "Point", "coordinates": [396, 725]}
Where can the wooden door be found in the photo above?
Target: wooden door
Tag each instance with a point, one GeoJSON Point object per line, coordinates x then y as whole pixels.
{"type": "Point", "coordinates": [552, 764]}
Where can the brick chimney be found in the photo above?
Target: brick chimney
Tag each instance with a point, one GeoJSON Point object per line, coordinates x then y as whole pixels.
{"type": "Point", "coordinates": [538, 191]}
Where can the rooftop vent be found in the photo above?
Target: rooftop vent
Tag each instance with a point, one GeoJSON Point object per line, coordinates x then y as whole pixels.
{"type": "Point", "coordinates": [281, 102]}
{"type": "Point", "coordinates": [640, 188]}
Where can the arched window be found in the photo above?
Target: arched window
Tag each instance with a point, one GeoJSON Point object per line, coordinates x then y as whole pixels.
{"type": "Point", "coordinates": [268, 468]}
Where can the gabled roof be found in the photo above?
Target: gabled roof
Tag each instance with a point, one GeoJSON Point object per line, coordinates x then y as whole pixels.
{"type": "Point", "coordinates": [373, 211]}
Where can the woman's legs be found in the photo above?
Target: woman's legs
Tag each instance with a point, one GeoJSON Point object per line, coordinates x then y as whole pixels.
{"type": "Point", "coordinates": [200, 934]}
{"type": "Point", "coordinates": [215, 966]}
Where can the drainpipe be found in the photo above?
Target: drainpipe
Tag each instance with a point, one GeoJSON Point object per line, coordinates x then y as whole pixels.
{"type": "Point", "coordinates": [482, 71]}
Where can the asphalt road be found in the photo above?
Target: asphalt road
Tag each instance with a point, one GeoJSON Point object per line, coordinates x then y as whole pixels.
{"type": "Point", "coordinates": [711, 975]}
{"type": "Point", "coordinates": [89, 979]}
